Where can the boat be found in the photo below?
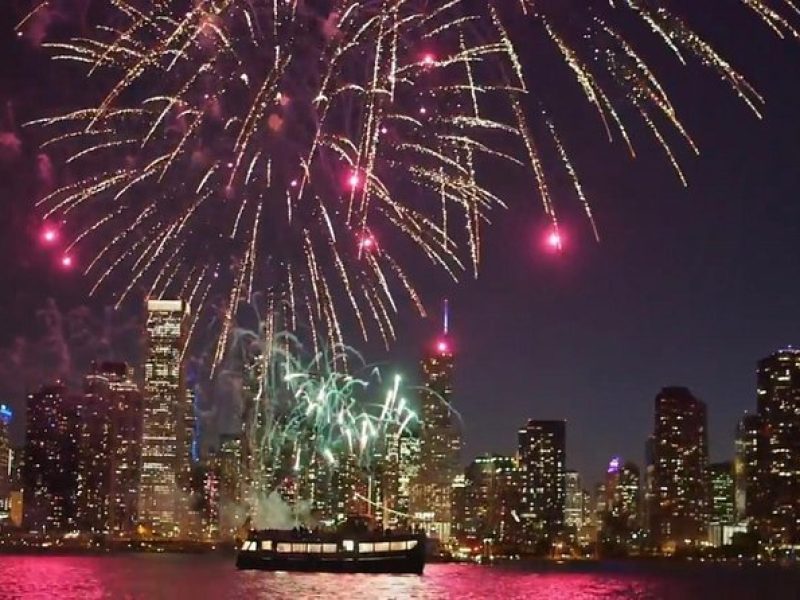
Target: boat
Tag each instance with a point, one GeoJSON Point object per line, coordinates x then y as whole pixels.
{"type": "Point", "coordinates": [348, 550]}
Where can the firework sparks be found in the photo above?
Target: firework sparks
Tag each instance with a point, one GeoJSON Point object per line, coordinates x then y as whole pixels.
{"type": "Point", "coordinates": [302, 410]}
{"type": "Point", "coordinates": [264, 138]}
{"type": "Point", "coordinates": [258, 144]}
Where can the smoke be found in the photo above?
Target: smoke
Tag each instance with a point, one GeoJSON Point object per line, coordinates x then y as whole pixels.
{"type": "Point", "coordinates": [49, 15]}
{"type": "Point", "coordinates": [272, 512]}
{"type": "Point", "coordinates": [62, 347]}
{"type": "Point", "coordinates": [10, 146]}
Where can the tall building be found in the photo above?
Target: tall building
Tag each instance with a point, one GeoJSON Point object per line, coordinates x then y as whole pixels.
{"type": "Point", "coordinates": [573, 504]}
{"type": "Point", "coordinates": [401, 468]}
{"type": "Point", "coordinates": [623, 493]}
{"type": "Point", "coordinates": [680, 459]}
{"type": "Point", "coordinates": [440, 440]}
{"type": "Point", "coordinates": [749, 459]}
{"type": "Point", "coordinates": [167, 422]}
{"type": "Point", "coordinates": [723, 495]}
{"type": "Point", "coordinates": [542, 456]}
{"type": "Point", "coordinates": [51, 460]}
{"type": "Point", "coordinates": [110, 421]}
{"type": "Point", "coordinates": [493, 502]}
{"type": "Point", "coordinates": [6, 454]}
{"type": "Point", "coordinates": [6, 462]}
{"type": "Point", "coordinates": [777, 506]}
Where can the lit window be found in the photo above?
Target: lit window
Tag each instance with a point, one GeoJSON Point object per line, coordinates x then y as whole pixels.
{"type": "Point", "coordinates": [284, 548]}
{"type": "Point", "coordinates": [382, 547]}
{"type": "Point", "coordinates": [348, 545]}
{"type": "Point", "coordinates": [299, 547]}
{"type": "Point", "coordinates": [397, 546]}
{"type": "Point", "coordinates": [366, 547]}
{"type": "Point", "coordinates": [411, 544]}
{"type": "Point", "coordinates": [266, 545]}
{"type": "Point", "coordinates": [315, 548]}
{"type": "Point", "coordinates": [329, 548]}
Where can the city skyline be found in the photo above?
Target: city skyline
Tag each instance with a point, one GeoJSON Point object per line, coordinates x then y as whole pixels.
{"type": "Point", "coordinates": [687, 287]}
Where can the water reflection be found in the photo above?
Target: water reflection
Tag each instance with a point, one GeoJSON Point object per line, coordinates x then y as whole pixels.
{"type": "Point", "coordinates": [201, 577]}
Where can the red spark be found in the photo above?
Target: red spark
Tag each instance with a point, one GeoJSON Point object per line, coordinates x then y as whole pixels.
{"type": "Point", "coordinates": [66, 261]}
{"type": "Point", "coordinates": [354, 180]}
{"type": "Point", "coordinates": [49, 235]}
{"type": "Point", "coordinates": [367, 242]}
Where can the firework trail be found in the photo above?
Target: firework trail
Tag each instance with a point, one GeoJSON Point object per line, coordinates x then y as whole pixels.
{"type": "Point", "coordinates": [288, 147]}
{"type": "Point", "coordinates": [306, 149]}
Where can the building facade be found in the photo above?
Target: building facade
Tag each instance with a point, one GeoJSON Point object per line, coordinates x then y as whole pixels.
{"type": "Point", "coordinates": [167, 420]}
{"type": "Point", "coordinates": [440, 443]}
{"type": "Point", "coordinates": [776, 502]}
{"type": "Point", "coordinates": [109, 460]}
{"type": "Point", "coordinates": [51, 460]}
{"type": "Point", "coordinates": [723, 493]}
{"type": "Point", "coordinates": [6, 462]}
{"type": "Point", "coordinates": [492, 503]}
{"type": "Point", "coordinates": [680, 512]}
{"type": "Point", "coordinates": [542, 459]}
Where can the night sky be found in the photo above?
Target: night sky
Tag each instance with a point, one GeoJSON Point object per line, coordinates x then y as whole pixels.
{"type": "Point", "coordinates": [687, 287]}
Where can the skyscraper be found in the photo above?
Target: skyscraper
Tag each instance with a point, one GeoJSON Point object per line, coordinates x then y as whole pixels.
{"type": "Point", "coordinates": [723, 496]}
{"type": "Point", "coordinates": [440, 438]}
{"type": "Point", "coordinates": [51, 460]}
{"type": "Point", "coordinates": [778, 508]}
{"type": "Point", "coordinates": [542, 456]}
{"type": "Point", "coordinates": [573, 504]}
{"type": "Point", "coordinates": [748, 480]}
{"type": "Point", "coordinates": [168, 419]}
{"type": "Point", "coordinates": [6, 462]}
{"type": "Point", "coordinates": [110, 416]}
{"type": "Point", "coordinates": [623, 490]}
{"type": "Point", "coordinates": [680, 459]}
{"type": "Point", "coordinates": [493, 501]}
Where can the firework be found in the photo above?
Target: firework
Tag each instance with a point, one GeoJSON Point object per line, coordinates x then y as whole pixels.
{"type": "Point", "coordinates": [303, 414]}
{"type": "Point", "coordinates": [306, 149]}
{"type": "Point", "coordinates": [267, 146]}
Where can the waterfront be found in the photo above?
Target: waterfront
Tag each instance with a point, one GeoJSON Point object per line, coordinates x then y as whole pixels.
{"type": "Point", "coordinates": [203, 576]}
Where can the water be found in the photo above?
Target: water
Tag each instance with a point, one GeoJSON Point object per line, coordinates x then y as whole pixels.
{"type": "Point", "coordinates": [210, 577]}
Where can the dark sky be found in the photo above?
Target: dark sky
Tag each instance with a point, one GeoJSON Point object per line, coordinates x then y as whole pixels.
{"type": "Point", "coordinates": [687, 287]}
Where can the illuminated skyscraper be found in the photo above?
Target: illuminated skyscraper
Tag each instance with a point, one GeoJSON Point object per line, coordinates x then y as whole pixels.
{"type": "Point", "coordinates": [680, 460]}
{"type": "Point", "coordinates": [110, 417]}
{"type": "Point", "coordinates": [749, 458]}
{"type": "Point", "coordinates": [228, 465]}
{"type": "Point", "coordinates": [167, 423]}
{"type": "Point", "coordinates": [542, 456]}
{"type": "Point", "coordinates": [440, 439]}
{"type": "Point", "coordinates": [777, 507]}
{"type": "Point", "coordinates": [6, 462]}
{"type": "Point", "coordinates": [493, 501]}
{"type": "Point", "coordinates": [573, 505]}
{"type": "Point", "coordinates": [51, 460]}
{"type": "Point", "coordinates": [723, 497]}
{"type": "Point", "coordinates": [623, 491]}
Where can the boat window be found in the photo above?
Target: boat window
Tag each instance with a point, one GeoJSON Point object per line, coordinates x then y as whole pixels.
{"type": "Point", "coordinates": [284, 547]}
{"type": "Point", "coordinates": [329, 548]}
{"type": "Point", "coordinates": [411, 544]}
{"type": "Point", "coordinates": [348, 545]}
{"type": "Point", "coordinates": [315, 548]}
{"type": "Point", "coordinates": [381, 546]}
{"type": "Point", "coordinates": [299, 547]}
{"type": "Point", "coordinates": [366, 547]}
{"type": "Point", "coordinates": [266, 545]}
{"type": "Point", "coordinates": [245, 546]}
{"type": "Point", "coordinates": [397, 546]}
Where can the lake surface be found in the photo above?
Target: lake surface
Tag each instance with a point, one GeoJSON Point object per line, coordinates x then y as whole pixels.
{"type": "Point", "coordinates": [203, 577]}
